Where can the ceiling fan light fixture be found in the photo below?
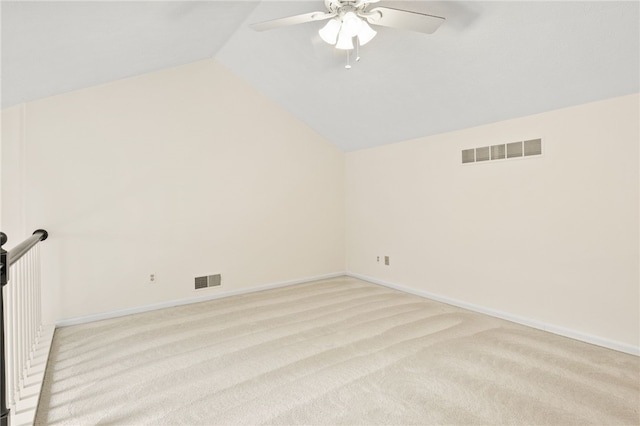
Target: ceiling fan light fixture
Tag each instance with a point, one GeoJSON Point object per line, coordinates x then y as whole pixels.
{"type": "Point", "coordinates": [366, 34]}
{"type": "Point", "coordinates": [351, 24]}
{"type": "Point", "coordinates": [345, 41]}
{"type": "Point", "coordinates": [329, 33]}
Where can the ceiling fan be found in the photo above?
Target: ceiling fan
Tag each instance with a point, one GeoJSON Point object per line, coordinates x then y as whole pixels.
{"type": "Point", "coordinates": [349, 20]}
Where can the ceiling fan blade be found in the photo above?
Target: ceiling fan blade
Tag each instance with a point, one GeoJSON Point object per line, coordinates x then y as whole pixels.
{"type": "Point", "coordinates": [292, 20]}
{"type": "Point", "coordinates": [360, 2]}
{"type": "Point", "coordinates": [396, 18]}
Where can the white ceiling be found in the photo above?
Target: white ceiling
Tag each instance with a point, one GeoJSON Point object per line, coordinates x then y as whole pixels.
{"type": "Point", "coordinates": [489, 61]}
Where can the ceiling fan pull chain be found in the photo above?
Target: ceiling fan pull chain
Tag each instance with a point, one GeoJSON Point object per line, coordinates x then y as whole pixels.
{"type": "Point", "coordinates": [357, 50]}
{"type": "Point", "coordinates": [348, 66]}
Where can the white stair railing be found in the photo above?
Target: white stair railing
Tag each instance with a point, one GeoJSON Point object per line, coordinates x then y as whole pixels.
{"type": "Point", "coordinates": [23, 332]}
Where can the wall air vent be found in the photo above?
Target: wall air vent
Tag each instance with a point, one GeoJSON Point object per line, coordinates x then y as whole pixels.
{"type": "Point", "coordinates": [533, 147]}
{"type": "Point", "coordinates": [497, 152]}
{"type": "Point", "coordinates": [482, 154]}
{"type": "Point", "coordinates": [208, 281]}
{"type": "Point", "coordinates": [502, 151]}
{"type": "Point", "coordinates": [514, 149]}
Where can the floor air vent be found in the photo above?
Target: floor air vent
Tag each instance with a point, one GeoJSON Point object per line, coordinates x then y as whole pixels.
{"type": "Point", "coordinates": [502, 151]}
{"type": "Point", "coordinates": [208, 281]}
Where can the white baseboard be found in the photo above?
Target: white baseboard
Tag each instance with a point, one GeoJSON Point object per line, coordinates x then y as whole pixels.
{"type": "Point", "coordinates": [189, 300]}
{"type": "Point", "coordinates": [595, 340]}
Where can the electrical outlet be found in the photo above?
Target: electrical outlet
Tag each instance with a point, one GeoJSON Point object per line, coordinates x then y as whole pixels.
{"type": "Point", "coordinates": [378, 259]}
{"type": "Point", "coordinates": [386, 260]}
{"type": "Point", "coordinates": [152, 278]}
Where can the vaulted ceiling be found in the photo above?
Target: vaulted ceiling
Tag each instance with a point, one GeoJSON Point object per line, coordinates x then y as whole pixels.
{"type": "Point", "coordinates": [489, 61]}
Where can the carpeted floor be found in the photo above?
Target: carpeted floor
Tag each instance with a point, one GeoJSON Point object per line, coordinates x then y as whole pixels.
{"type": "Point", "coordinates": [338, 351]}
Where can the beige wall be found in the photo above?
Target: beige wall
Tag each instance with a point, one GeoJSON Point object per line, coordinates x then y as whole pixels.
{"type": "Point", "coordinates": [12, 176]}
{"type": "Point", "coordinates": [178, 173]}
{"type": "Point", "coordinates": [551, 239]}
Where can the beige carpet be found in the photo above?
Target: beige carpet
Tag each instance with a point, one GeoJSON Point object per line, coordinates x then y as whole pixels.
{"type": "Point", "coordinates": [339, 351]}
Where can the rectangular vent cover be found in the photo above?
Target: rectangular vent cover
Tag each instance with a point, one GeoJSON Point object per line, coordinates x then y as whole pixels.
{"type": "Point", "coordinates": [514, 150]}
{"type": "Point", "coordinates": [482, 154]}
{"type": "Point", "coordinates": [208, 281]}
{"type": "Point", "coordinates": [533, 147]}
{"type": "Point", "coordinates": [502, 151]}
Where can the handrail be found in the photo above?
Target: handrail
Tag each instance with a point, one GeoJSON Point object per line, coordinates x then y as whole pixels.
{"type": "Point", "coordinates": [6, 260]}
{"type": "Point", "coordinates": [21, 249]}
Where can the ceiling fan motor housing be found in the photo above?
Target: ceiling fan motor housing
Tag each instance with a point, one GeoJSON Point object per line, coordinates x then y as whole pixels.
{"type": "Point", "coordinates": [340, 8]}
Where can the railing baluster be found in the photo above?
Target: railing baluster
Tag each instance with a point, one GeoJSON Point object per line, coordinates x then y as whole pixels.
{"type": "Point", "coordinates": [30, 314]}
{"type": "Point", "coordinates": [27, 314]}
{"type": "Point", "coordinates": [38, 291]}
{"type": "Point", "coordinates": [13, 345]}
{"type": "Point", "coordinates": [19, 327]}
{"type": "Point", "coordinates": [10, 343]}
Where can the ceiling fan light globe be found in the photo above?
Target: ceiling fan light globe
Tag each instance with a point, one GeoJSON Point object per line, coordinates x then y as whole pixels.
{"type": "Point", "coordinates": [351, 24]}
{"type": "Point", "coordinates": [366, 34]}
{"type": "Point", "coordinates": [345, 41]}
{"type": "Point", "coordinates": [329, 33]}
